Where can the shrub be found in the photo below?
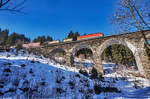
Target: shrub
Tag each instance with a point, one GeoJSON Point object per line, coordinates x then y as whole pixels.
{"type": "Point", "coordinates": [87, 84]}
{"type": "Point", "coordinates": [19, 47]}
{"type": "Point", "coordinates": [84, 72]}
{"type": "Point", "coordinates": [6, 75]}
{"type": "Point", "coordinates": [81, 90]}
{"type": "Point", "coordinates": [7, 70]}
{"type": "Point", "coordinates": [88, 96]}
{"type": "Point", "coordinates": [81, 81]}
{"type": "Point", "coordinates": [9, 64]}
{"type": "Point", "coordinates": [110, 89]}
{"type": "Point", "coordinates": [58, 80]}
{"type": "Point", "coordinates": [32, 61]}
{"type": "Point", "coordinates": [94, 73]}
{"type": "Point", "coordinates": [59, 76]}
{"type": "Point", "coordinates": [11, 90]}
{"type": "Point", "coordinates": [7, 55]}
{"type": "Point", "coordinates": [2, 82]}
{"type": "Point", "coordinates": [72, 84]}
{"type": "Point", "coordinates": [59, 90]}
{"type": "Point", "coordinates": [90, 91]}
{"type": "Point", "coordinates": [23, 65]}
{"type": "Point", "coordinates": [1, 86]}
{"type": "Point", "coordinates": [42, 83]}
{"type": "Point", "coordinates": [16, 83]}
{"type": "Point", "coordinates": [26, 82]}
{"type": "Point", "coordinates": [63, 78]}
{"type": "Point", "coordinates": [31, 71]}
{"type": "Point", "coordinates": [77, 75]}
{"type": "Point", "coordinates": [7, 49]}
{"type": "Point", "coordinates": [97, 89]}
{"type": "Point", "coordinates": [1, 94]}
{"type": "Point", "coordinates": [5, 64]}
{"type": "Point", "coordinates": [26, 89]}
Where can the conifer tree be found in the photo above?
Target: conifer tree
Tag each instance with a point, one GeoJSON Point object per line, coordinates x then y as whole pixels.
{"type": "Point", "coordinates": [70, 35]}
{"type": "Point", "coordinates": [4, 36]}
{"type": "Point", "coordinates": [77, 34]}
{"type": "Point", "coordinates": [15, 39]}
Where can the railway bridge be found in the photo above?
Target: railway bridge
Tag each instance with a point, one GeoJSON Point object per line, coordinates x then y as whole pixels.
{"type": "Point", "coordinates": [133, 41]}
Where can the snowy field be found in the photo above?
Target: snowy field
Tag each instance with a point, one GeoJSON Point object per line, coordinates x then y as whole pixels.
{"type": "Point", "coordinates": [26, 76]}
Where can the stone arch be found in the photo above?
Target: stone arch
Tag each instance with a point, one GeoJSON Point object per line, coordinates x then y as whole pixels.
{"type": "Point", "coordinates": [78, 47]}
{"type": "Point", "coordinates": [148, 38]}
{"type": "Point", "coordinates": [126, 43]}
{"type": "Point", "coordinates": [54, 52]}
{"type": "Point", "coordinates": [148, 35]}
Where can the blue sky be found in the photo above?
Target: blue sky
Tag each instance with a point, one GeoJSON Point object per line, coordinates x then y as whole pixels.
{"type": "Point", "coordinates": [57, 17]}
{"type": "Point", "coordinates": [148, 41]}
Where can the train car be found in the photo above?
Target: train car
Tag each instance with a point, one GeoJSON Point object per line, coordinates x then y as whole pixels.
{"type": "Point", "coordinates": [90, 36]}
{"type": "Point", "coordinates": [68, 40]}
{"type": "Point", "coordinates": [53, 42]}
{"type": "Point", "coordinates": [31, 45]}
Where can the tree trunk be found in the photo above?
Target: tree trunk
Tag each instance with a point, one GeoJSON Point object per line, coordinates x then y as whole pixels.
{"type": "Point", "coordinates": [141, 17]}
{"type": "Point", "coordinates": [140, 28]}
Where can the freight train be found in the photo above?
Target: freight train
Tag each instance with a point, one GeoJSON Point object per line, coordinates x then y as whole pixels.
{"type": "Point", "coordinates": [95, 35]}
{"type": "Point", "coordinates": [83, 37]}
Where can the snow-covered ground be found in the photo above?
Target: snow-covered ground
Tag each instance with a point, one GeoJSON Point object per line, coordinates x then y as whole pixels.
{"type": "Point", "coordinates": [25, 75]}
{"type": "Point", "coordinates": [83, 62]}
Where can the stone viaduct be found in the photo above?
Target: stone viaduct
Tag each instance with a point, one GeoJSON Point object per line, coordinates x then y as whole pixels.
{"type": "Point", "coordinates": [133, 41]}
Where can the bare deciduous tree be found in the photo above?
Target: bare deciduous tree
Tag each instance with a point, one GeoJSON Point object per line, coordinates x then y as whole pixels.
{"type": "Point", "coordinates": [12, 5]}
{"type": "Point", "coordinates": [132, 15]}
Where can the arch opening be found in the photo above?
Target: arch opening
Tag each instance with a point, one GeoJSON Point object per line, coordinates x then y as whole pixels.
{"type": "Point", "coordinates": [148, 38]}
{"type": "Point", "coordinates": [58, 55]}
{"type": "Point", "coordinates": [116, 57]}
{"type": "Point", "coordinates": [148, 49]}
{"type": "Point", "coordinates": [134, 63]}
{"type": "Point", "coordinates": [83, 56]}
{"type": "Point", "coordinates": [149, 41]}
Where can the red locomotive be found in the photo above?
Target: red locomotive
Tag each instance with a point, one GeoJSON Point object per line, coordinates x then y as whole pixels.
{"type": "Point", "coordinates": [90, 36]}
{"type": "Point", "coordinates": [85, 37]}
